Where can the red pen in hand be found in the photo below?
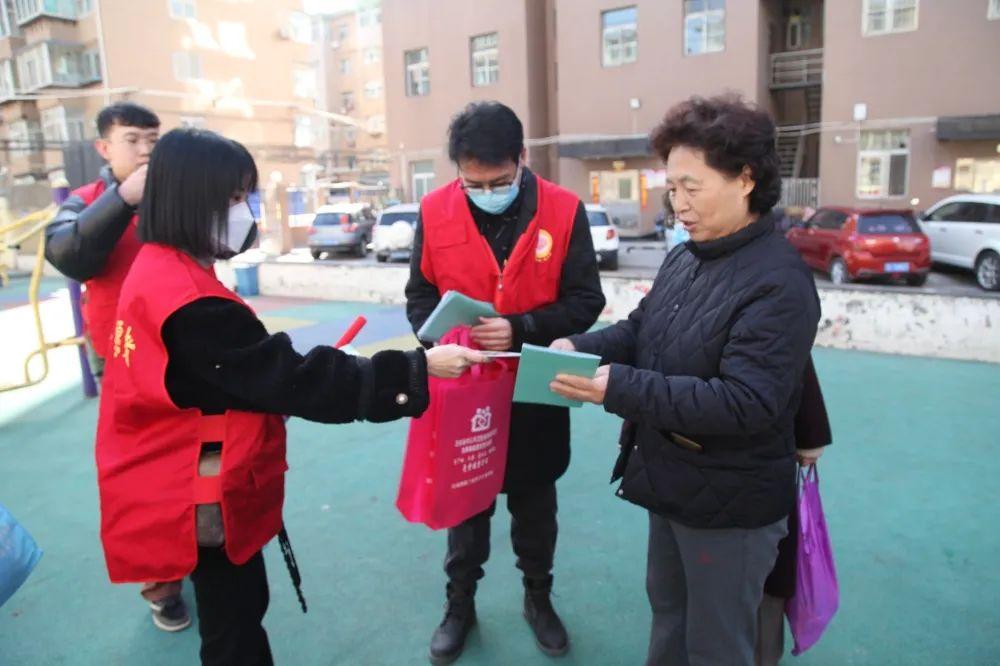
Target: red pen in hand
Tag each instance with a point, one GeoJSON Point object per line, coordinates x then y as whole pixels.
{"type": "Point", "coordinates": [351, 332]}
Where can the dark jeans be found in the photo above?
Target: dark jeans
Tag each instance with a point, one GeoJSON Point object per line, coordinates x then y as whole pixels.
{"type": "Point", "coordinates": [232, 601]}
{"type": "Point", "coordinates": [533, 531]}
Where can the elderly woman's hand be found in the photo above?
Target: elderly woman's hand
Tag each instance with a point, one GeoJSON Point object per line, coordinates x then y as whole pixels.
{"type": "Point", "coordinates": [583, 389]}
{"type": "Point", "coordinates": [808, 456]}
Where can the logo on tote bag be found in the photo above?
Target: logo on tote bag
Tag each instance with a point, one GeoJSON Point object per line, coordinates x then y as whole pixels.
{"type": "Point", "coordinates": [483, 419]}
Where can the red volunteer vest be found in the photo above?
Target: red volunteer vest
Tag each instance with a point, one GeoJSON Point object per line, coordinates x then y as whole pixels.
{"type": "Point", "coordinates": [103, 289]}
{"type": "Point", "coordinates": [148, 448]}
{"type": "Point", "coordinates": [456, 256]}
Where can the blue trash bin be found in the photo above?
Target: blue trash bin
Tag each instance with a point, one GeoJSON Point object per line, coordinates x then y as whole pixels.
{"type": "Point", "coordinates": [246, 280]}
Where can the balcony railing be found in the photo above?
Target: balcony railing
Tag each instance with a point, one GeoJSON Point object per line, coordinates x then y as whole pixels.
{"type": "Point", "coordinates": [796, 69]}
{"type": "Point", "coordinates": [799, 192]}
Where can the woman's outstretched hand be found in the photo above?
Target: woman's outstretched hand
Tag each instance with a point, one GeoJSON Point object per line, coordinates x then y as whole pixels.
{"type": "Point", "coordinates": [451, 361]}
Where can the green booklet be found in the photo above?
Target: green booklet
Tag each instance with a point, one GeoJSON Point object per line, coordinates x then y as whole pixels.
{"type": "Point", "coordinates": [539, 367]}
{"type": "Point", "coordinates": [453, 310]}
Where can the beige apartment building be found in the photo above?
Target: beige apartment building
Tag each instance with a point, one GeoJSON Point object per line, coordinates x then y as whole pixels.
{"type": "Point", "coordinates": [880, 103]}
{"type": "Point", "coordinates": [248, 70]}
{"type": "Point", "coordinates": [354, 85]}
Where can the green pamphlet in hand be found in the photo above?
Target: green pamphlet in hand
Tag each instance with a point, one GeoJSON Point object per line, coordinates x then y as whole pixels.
{"type": "Point", "coordinates": [455, 309]}
{"type": "Point", "coordinates": [539, 367]}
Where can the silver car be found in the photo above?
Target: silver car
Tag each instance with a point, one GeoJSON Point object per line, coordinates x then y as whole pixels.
{"type": "Point", "coordinates": [341, 228]}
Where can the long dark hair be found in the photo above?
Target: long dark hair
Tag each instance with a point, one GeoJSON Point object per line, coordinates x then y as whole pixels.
{"type": "Point", "coordinates": [192, 176]}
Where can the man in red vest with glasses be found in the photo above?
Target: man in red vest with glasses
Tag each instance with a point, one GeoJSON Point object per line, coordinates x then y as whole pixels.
{"type": "Point", "coordinates": [501, 234]}
{"type": "Point", "coordinates": [93, 240]}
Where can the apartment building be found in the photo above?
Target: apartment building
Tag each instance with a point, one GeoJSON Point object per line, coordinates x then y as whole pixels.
{"type": "Point", "coordinates": [881, 103]}
{"type": "Point", "coordinates": [248, 70]}
{"type": "Point", "coordinates": [355, 86]}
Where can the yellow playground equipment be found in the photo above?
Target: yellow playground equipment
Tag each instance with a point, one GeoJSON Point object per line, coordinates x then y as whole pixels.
{"type": "Point", "coordinates": [12, 236]}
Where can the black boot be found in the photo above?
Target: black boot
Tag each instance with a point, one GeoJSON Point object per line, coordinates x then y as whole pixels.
{"type": "Point", "coordinates": [550, 634]}
{"type": "Point", "coordinates": [448, 640]}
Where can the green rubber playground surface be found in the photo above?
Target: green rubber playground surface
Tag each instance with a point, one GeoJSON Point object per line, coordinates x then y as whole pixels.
{"type": "Point", "coordinates": [910, 488]}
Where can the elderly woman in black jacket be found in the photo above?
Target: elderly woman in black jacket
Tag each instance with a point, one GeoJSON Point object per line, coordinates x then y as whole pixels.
{"type": "Point", "coordinates": [707, 373]}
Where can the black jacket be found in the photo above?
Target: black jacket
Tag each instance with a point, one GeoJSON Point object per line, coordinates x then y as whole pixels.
{"type": "Point", "coordinates": [221, 357]}
{"type": "Point", "coordinates": [539, 435]}
{"type": "Point", "coordinates": [80, 238]}
{"type": "Point", "coordinates": [707, 372]}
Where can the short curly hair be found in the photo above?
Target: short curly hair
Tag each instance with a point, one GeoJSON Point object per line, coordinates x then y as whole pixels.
{"type": "Point", "coordinates": [733, 135]}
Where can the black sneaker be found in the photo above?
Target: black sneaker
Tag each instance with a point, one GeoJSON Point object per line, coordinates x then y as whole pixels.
{"type": "Point", "coordinates": [170, 614]}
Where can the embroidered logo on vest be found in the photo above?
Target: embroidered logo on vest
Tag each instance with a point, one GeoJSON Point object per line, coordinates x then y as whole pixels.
{"type": "Point", "coordinates": [124, 344]}
{"type": "Point", "coordinates": [543, 251]}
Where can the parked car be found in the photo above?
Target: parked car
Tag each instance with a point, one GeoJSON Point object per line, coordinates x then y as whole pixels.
{"type": "Point", "coordinates": [605, 235]}
{"type": "Point", "coordinates": [856, 243]}
{"type": "Point", "coordinates": [344, 227]}
{"type": "Point", "coordinates": [965, 232]}
{"type": "Point", "coordinates": [394, 232]}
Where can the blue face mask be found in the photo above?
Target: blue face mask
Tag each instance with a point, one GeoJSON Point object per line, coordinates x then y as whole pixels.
{"type": "Point", "coordinates": [495, 200]}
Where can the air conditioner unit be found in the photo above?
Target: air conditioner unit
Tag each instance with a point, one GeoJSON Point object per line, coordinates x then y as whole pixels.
{"type": "Point", "coordinates": [284, 32]}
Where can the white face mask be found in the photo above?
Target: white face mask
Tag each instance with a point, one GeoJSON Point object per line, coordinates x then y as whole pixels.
{"type": "Point", "coordinates": [241, 231]}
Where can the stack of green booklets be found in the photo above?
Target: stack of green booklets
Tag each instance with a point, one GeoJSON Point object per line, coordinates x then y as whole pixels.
{"type": "Point", "coordinates": [453, 310]}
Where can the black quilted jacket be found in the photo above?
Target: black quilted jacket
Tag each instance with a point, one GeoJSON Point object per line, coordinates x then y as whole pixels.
{"type": "Point", "coordinates": [707, 373]}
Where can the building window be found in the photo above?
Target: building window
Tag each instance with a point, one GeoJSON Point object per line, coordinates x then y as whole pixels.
{"type": "Point", "coordinates": [7, 25]}
{"type": "Point", "coordinates": [54, 125]}
{"type": "Point", "coordinates": [345, 66]}
{"type": "Point", "coordinates": [373, 89]}
{"type": "Point", "coordinates": [981, 176]}
{"type": "Point", "coordinates": [342, 32]}
{"type": "Point", "coordinates": [305, 133]}
{"type": "Point", "coordinates": [8, 84]}
{"type": "Point", "coordinates": [48, 64]}
{"type": "Point", "coordinates": [885, 16]}
{"type": "Point", "coordinates": [704, 26]}
{"type": "Point", "coordinates": [421, 178]}
{"type": "Point", "coordinates": [304, 82]}
{"type": "Point", "coordinates": [619, 37]}
{"type": "Point", "coordinates": [84, 7]}
{"type": "Point", "coordinates": [90, 67]}
{"type": "Point", "coordinates": [993, 10]}
{"type": "Point", "coordinates": [883, 163]}
{"type": "Point", "coordinates": [233, 39]}
{"type": "Point", "coordinates": [187, 65]}
{"type": "Point", "coordinates": [300, 28]}
{"type": "Point", "coordinates": [418, 73]}
{"type": "Point", "coordinates": [28, 10]}
{"type": "Point", "coordinates": [485, 60]}
{"type": "Point", "coordinates": [24, 137]}
{"type": "Point", "coordinates": [376, 124]}
{"type": "Point", "coordinates": [373, 56]}
{"type": "Point", "coordinates": [368, 18]}
{"type": "Point", "coordinates": [347, 102]}
{"type": "Point", "coordinates": [183, 9]}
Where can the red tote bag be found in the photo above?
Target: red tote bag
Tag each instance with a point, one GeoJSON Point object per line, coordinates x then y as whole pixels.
{"type": "Point", "coordinates": [456, 452]}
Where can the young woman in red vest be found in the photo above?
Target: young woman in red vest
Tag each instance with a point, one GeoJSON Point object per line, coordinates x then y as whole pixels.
{"type": "Point", "coordinates": [194, 380]}
{"type": "Point", "coordinates": [501, 234]}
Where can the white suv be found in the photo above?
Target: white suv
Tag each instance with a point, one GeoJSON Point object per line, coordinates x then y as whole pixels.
{"type": "Point", "coordinates": [964, 231]}
{"type": "Point", "coordinates": [604, 235]}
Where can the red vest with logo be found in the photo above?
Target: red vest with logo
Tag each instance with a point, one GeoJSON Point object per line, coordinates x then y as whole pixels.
{"type": "Point", "coordinates": [148, 448]}
{"type": "Point", "coordinates": [457, 257]}
{"type": "Point", "coordinates": [102, 290]}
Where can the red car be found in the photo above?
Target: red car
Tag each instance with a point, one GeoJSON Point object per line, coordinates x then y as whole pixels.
{"type": "Point", "coordinates": [856, 243]}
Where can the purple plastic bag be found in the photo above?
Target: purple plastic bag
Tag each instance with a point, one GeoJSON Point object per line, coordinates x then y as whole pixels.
{"type": "Point", "coordinates": [816, 592]}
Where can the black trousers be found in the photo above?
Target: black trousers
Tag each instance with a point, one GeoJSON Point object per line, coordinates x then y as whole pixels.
{"type": "Point", "coordinates": [533, 531]}
{"type": "Point", "coordinates": [232, 601]}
